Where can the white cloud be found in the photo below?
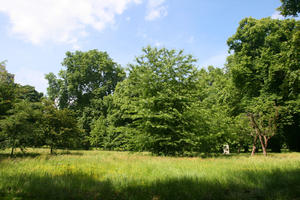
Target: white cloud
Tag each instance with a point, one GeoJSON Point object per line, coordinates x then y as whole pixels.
{"type": "Point", "coordinates": [62, 21]}
{"type": "Point", "coordinates": [156, 9]}
{"type": "Point", "coordinates": [217, 60]}
{"type": "Point", "coordinates": [157, 44]}
{"type": "Point", "coordinates": [76, 47]}
{"type": "Point", "coordinates": [26, 76]}
{"type": "Point", "coordinates": [276, 15]}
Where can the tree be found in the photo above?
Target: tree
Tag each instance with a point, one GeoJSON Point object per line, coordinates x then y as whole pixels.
{"type": "Point", "coordinates": [264, 67]}
{"type": "Point", "coordinates": [289, 8]}
{"type": "Point", "coordinates": [59, 127]}
{"type": "Point", "coordinates": [88, 75]}
{"type": "Point", "coordinates": [263, 117]}
{"type": "Point", "coordinates": [18, 113]}
{"type": "Point", "coordinates": [54, 86]}
{"type": "Point", "coordinates": [7, 90]}
{"type": "Point", "coordinates": [4, 75]}
{"type": "Point", "coordinates": [155, 103]}
{"type": "Point", "coordinates": [213, 111]}
{"type": "Point", "coordinates": [29, 93]}
{"type": "Point", "coordinates": [100, 115]}
{"type": "Point", "coordinates": [115, 129]}
{"type": "Point", "coordinates": [20, 128]}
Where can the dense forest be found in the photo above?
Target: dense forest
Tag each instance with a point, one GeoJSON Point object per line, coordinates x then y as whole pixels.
{"type": "Point", "coordinates": [163, 102]}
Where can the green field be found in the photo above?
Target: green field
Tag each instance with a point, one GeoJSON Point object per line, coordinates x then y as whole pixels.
{"type": "Point", "coordinates": [122, 175]}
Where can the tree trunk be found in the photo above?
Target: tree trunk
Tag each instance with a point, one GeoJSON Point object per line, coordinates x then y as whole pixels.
{"type": "Point", "coordinates": [51, 150]}
{"type": "Point", "coordinates": [259, 133]}
{"type": "Point", "coordinates": [263, 145]}
{"type": "Point", "coordinates": [22, 149]}
{"type": "Point", "coordinates": [254, 146]}
{"type": "Point", "coordinates": [12, 152]}
{"type": "Point", "coordinates": [266, 141]}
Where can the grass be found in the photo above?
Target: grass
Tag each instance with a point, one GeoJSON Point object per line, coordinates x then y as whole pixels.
{"type": "Point", "coordinates": [123, 175]}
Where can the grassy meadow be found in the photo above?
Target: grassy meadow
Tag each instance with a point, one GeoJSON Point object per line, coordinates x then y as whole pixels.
{"type": "Point", "coordinates": [123, 175]}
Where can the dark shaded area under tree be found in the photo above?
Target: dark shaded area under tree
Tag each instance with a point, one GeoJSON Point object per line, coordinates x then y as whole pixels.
{"type": "Point", "coordinates": [272, 185]}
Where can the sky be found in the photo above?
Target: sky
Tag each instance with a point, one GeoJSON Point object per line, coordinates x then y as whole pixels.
{"type": "Point", "coordinates": [36, 34]}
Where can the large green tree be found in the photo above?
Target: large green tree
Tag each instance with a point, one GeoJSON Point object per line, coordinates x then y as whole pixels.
{"type": "Point", "coordinates": [87, 78]}
{"type": "Point", "coordinates": [88, 75]}
{"type": "Point", "coordinates": [264, 66]}
{"type": "Point", "coordinates": [219, 106]}
{"type": "Point", "coordinates": [289, 8]}
{"type": "Point", "coordinates": [18, 113]}
{"type": "Point", "coordinates": [156, 102]}
{"type": "Point", "coordinates": [20, 128]}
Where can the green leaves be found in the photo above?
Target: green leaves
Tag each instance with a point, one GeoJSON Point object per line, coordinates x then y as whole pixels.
{"type": "Point", "coordinates": [20, 128]}
{"type": "Point", "coordinates": [58, 127]}
{"type": "Point", "coordinates": [7, 90]}
{"type": "Point", "coordinates": [289, 8]}
{"type": "Point", "coordinates": [261, 60]}
{"type": "Point", "coordinates": [152, 105]}
{"type": "Point", "coordinates": [88, 75]}
{"type": "Point", "coordinates": [264, 67]}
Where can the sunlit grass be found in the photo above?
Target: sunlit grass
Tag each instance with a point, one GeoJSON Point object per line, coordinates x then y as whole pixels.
{"type": "Point", "coordinates": [123, 175]}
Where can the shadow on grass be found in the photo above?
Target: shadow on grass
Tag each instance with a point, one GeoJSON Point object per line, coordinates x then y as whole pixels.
{"type": "Point", "coordinates": [274, 184]}
{"type": "Point", "coordinates": [18, 155]}
{"type": "Point", "coordinates": [4, 156]}
{"type": "Point", "coordinates": [67, 153]}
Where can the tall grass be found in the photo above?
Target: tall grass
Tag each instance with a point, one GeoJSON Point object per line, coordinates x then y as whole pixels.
{"type": "Point", "coordinates": [122, 175]}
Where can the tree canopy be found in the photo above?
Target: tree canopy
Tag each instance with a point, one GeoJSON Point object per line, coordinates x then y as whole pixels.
{"type": "Point", "coordinates": [264, 66]}
{"type": "Point", "coordinates": [167, 105]}
{"type": "Point", "coordinates": [88, 75]}
{"type": "Point", "coordinates": [289, 8]}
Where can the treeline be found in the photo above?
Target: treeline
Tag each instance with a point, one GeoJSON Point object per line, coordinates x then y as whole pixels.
{"type": "Point", "coordinates": [165, 103]}
{"type": "Point", "coordinates": [27, 119]}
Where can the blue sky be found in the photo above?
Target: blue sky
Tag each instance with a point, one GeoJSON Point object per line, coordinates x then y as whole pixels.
{"type": "Point", "coordinates": [35, 34]}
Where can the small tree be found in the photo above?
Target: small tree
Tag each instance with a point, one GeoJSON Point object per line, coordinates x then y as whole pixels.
{"type": "Point", "coordinates": [20, 128]}
{"type": "Point", "coordinates": [263, 116]}
{"type": "Point", "coordinates": [59, 127]}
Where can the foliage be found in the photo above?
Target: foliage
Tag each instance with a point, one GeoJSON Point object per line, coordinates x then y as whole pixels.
{"type": "Point", "coordinates": [20, 128]}
{"type": "Point", "coordinates": [166, 105]}
{"type": "Point", "coordinates": [289, 7]}
{"type": "Point", "coordinates": [218, 102]}
{"type": "Point", "coordinates": [157, 108]}
{"type": "Point", "coordinates": [59, 127]}
{"type": "Point", "coordinates": [88, 78]}
{"type": "Point", "coordinates": [88, 75]}
{"type": "Point", "coordinates": [264, 67]}
{"type": "Point", "coordinates": [7, 91]}
{"type": "Point", "coordinates": [29, 93]}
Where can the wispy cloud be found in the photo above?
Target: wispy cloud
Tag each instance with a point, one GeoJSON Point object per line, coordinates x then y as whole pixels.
{"type": "Point", "coordinates": [276, 15]}
{"type": "Point", "coordinates": [148, 40]}
{"type": "Point", "coordinates": [156, 9]}
{"type": "Point", "coordinates": [61, 21]}
{"type": "Point", "coordinates": [26, 76]}
{"type": "Point", "coordinates": [217, 60]}
{"type": "Point", "coordinates": [157, 44]}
